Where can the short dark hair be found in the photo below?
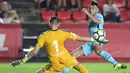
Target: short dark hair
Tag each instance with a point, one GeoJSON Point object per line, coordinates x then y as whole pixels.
{"type": "Point", "coordinates": [54, 20]}
{"type": "Point", "coordinates": [94, 3]}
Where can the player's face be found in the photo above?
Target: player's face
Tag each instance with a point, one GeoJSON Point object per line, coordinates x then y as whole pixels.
{"type": "Point", "coordinates": [94, 9]}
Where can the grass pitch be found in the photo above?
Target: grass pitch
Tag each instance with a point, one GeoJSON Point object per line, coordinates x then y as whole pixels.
{"type": "Point", "coordinates": [33, 67]}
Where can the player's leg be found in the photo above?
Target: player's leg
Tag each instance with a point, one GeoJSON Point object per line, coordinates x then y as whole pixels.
{"type": "Point", "coordinates": [72, 62]}
{"type": "Point", "coordinates": [80, 68]}
{"type": "Point", "coordinates": [107, 56]}
{"type": "Point", "coordinates": [47, 69]}
{"type": "Point", "coordinates": [76, 53]}
{"type": "Point", "coordinates": [88, 48]}
{"type": "Point", "coordinates": [77, 67]}
{"type": "Point", "coordinates": [66, 70]}
{"type": "Point", "coordinates": [85, 49]}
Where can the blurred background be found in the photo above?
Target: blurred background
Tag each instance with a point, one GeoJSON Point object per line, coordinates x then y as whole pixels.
{"type": "Point", "coordinates": [22, 21]}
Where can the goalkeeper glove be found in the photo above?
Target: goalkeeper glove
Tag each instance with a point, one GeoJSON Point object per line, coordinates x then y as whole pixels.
{"type": "Point", "coordinates": [17, 62]}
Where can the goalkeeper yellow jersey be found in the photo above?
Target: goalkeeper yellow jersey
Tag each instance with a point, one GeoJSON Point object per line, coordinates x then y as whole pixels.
{"type": "Point", "coordinates": [53, 41]}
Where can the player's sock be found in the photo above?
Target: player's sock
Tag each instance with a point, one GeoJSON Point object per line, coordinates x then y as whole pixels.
{"type": "Point", "coordinates": [81, 69]}
{"type": "Point", "coordinates": [108, 57]}
{"type": "Point", "coordinates": [66, 70]}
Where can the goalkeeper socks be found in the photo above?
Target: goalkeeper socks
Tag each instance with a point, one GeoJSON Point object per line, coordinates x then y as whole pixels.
{"type": "Point", "coordinates": [108, 57]}
{"type": "Point", "coordinates": [66, 70]}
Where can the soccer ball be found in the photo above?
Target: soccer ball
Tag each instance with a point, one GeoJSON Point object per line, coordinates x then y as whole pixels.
{"type": "Point", "coordinates": [99, 34]}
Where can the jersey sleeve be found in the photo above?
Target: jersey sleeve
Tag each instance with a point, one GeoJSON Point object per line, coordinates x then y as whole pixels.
{"type": "Point", "coordinates": [70, 35]}
{"type": "Point", "coordinates": [40, 41]}
{"type": "Point", "coordinates": [100, 17]}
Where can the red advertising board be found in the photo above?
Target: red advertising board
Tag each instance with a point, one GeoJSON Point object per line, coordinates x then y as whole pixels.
{"type": "Point", "coordinates": [118, 35]}
{"type": "Point", "coordinates": [10, 40]}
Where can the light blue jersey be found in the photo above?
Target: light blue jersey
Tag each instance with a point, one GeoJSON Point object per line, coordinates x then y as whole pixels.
{"type": "Point", "coordinates": [88, 47]}
{"type": "Point", "coordinates": [93, 25]}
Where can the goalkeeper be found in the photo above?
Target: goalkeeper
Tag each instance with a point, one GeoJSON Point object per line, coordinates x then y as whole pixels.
{"type": "Point", "coordinates": [59, 57]}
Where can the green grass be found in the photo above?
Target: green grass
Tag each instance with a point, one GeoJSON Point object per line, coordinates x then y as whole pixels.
{"type": "Point", "coordinates": [33, 67]}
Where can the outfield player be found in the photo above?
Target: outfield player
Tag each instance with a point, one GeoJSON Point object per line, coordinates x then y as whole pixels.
{"type": "Point", "coordinates": [96, 21]}
{"type": "Point", "coordinates": [59, 57]}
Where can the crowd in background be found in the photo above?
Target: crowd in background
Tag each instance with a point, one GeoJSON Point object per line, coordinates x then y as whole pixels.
{"type": "Point", "coordinates": [109, 10]}
{"type": "Point", "coordinates": [7, 14]}
{"type": "Point", "coordinates": [59, 4]}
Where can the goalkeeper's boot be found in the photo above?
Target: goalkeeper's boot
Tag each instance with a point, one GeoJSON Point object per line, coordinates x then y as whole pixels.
{"type": "Point", "coordinates": [119, 66]}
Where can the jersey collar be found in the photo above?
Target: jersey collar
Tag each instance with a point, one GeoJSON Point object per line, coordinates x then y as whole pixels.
{"type": "Point", "coordinates": [53, 30]}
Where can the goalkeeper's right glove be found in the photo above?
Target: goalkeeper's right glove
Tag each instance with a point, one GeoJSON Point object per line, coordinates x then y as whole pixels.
{"type": "Point", "coordinates": [17, 62]}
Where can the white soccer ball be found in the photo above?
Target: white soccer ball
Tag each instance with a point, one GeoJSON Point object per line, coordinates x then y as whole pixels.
{"type": "Point", "coordinates": [99, 34]}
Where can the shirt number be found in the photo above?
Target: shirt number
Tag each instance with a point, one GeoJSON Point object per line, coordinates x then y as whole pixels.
{"type": "Point", "coordinates": [55, 44]}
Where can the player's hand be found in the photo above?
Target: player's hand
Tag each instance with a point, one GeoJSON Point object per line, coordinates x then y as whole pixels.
{"type": "Point", "coordinates": [85, 10]}
{"type": "Point", "coordinates": [15, 63]}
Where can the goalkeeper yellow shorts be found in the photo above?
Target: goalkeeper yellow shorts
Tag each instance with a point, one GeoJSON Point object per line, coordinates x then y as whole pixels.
{"type": "Point", "coordinates": [57, 64]}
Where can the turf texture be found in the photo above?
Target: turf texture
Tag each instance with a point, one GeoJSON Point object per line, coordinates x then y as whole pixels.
{"type": "Point", "coordinates": [33, 67]}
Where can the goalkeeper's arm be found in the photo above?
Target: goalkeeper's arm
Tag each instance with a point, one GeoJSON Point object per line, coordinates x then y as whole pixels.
{"type": "Point", "coordinates": [31, 54]}
{"type": "Point", "coordinates": [88, 39]}
{"type": "Point", "coordinates": [27, 57]}
{"type": "Point", "coordinates": [85, 39]}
